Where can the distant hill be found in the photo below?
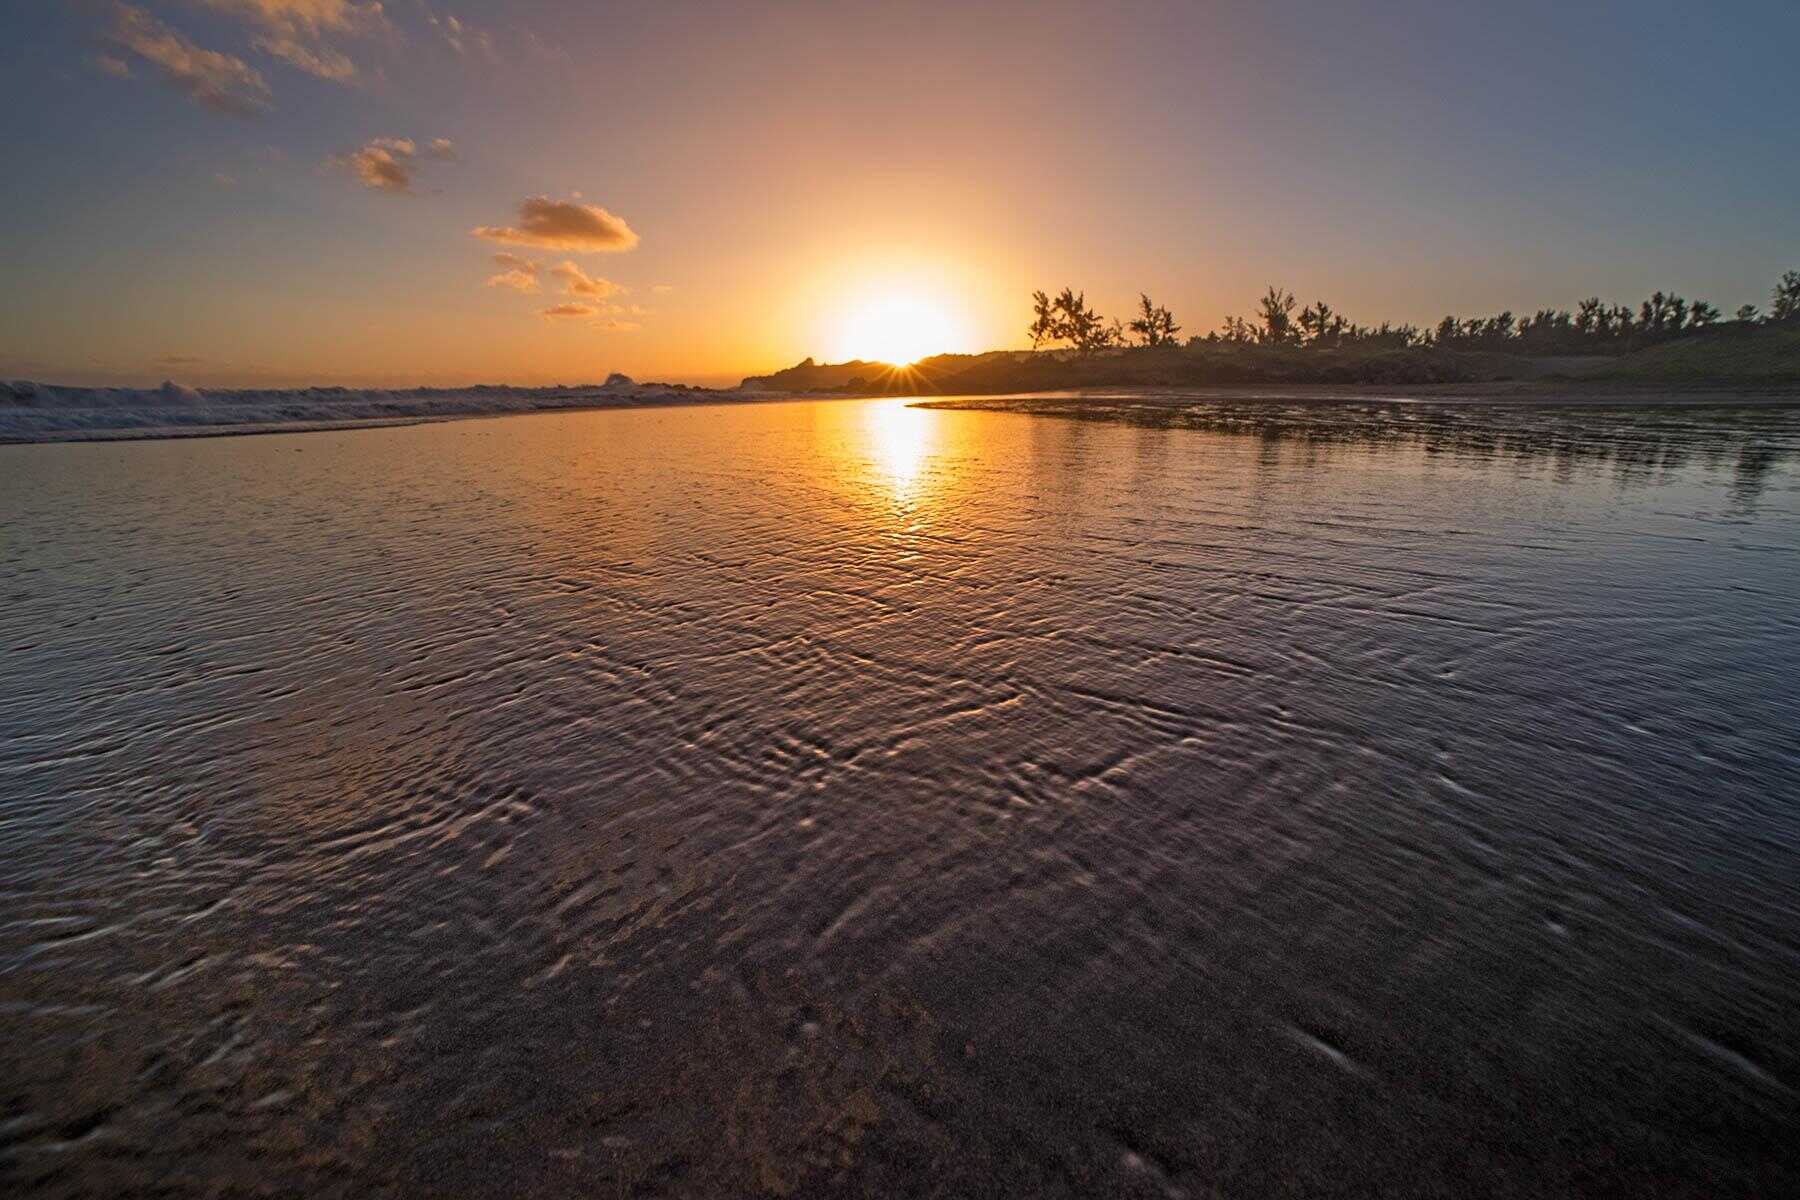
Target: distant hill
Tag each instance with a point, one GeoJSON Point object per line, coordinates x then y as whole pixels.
{"type": "Point", "coordinates": [1731, 355]}
{"type": "Point", "coordinates": [877, 378]}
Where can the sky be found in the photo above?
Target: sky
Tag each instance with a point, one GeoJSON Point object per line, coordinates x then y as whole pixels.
{"type": "Point", "coordinates": [297, 192]}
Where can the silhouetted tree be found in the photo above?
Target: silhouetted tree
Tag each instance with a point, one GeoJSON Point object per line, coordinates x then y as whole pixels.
{"type": "Point", "coordinates": [1321, 326]}
{"type": "Point", "coordinates": [1044, 325]}
{"type": "Point", "coordinates": [1786, 298]}
{"type": "Point", "coordinates": [1154, 325]}
{"type": "Point", "coordinates": [1276, 310]}
{"type": "Point", "coordinates": [1590, 317]}
{"type": "Point", "coordinates": [1593, 327]}
{"type": "Point", "coordinates": [1067, 318]}
{"type": "Point", "coordinates": [1701, 315]}
{"type": "Point", "coordinates": [1237, 331]}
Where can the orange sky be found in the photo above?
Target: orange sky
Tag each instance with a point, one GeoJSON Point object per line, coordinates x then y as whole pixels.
{"type": "Point", "coordinates": [288, 191]}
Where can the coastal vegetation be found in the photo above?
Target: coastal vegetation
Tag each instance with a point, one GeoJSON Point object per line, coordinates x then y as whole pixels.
{"type": "Point", "coordinates": [1665, 339]}
{"type": "Point", "coordinates": [1593, 326]}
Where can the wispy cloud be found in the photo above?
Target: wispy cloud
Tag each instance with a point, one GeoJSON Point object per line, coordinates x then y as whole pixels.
{"type": "Point", "coordinates": [517, 279]}
{"type": "Point", "coordinates": [294, 31]}
{"type": "Point", "coordinates": [221, 82]}
{"type": "Point", "coordinates": [520, 274]}
{"type": "Point", "coordinates": [305, 16]}
{"type": "Point", "coordinates": [317, 59]}
{"type": "Point", "coordinates": [388, 164]}
{"type": "Point", "coordinates": [577, 282]}
{"type": "Point", "coordinates": [106, 64]}
{"type": "Point", "coordinates": [384, 164]}
{"type": "Point", "coordinates": [601, 316]}
{"type": "Point", "coordinates": [563, 225]}
{"type": "Point", "coordinates": [459, 35]}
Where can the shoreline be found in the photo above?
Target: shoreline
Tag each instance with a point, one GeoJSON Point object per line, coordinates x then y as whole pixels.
{"type": "Point", "coordinates": [467, 405]}
{"type": "Point", "coordinates": [471, 405]}
{"type": "Point", "coordinates": [1510, 395]}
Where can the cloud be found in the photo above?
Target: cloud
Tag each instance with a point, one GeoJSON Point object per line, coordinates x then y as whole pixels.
{"type": "Point", "coordinates": [106, 64]}
{"type": "Point", "coordinates": [563, 225]}
{"type": "Point", "coordinates": [516, 263]}
{"type": "Point", "coordinates": [318, 60]}
{"type": "Point", "coordinates": [518, 279]}
{"type": "Point", "coordinates": [603, 316]}
{"type": "Point", "coordinates": [388, 164]}
{"type": "Point", "coordinates": [224, 179]}
{"type": "Point", "coordinates": [459, 35]}
{"type": "Point", "coordinates": [221, 82]}
{"type": "Point", "coordinates": [294, 30]}
{"type": "Point", "coordinates": [579, 283]}
{"type": "Point", "coordinates": [304, 16]}
{"type": "Point", "coordinates": [385, 164]}
{"type": "Point", "coordinates": [178, 360]}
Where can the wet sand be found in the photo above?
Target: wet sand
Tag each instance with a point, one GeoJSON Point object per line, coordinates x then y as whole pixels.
{"type": "Point", "coordinates": [843, 798]}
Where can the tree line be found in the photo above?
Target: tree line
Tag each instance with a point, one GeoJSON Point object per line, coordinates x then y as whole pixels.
{"type": "Point", "coordinates": [1593, 327]}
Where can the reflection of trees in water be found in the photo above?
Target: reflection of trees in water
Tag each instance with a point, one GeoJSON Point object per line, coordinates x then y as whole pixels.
{"type": "Point", "coordinates": [1753, 464]}
{"type": "Point", "coordinates": [1635, 441]}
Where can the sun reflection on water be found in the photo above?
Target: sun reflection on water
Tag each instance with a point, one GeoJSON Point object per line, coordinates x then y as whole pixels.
{"type": "Point", "coordinates": [900, 440]}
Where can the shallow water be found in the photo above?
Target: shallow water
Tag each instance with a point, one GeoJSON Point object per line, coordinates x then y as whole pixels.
{"type": "Point", "coordinates": [840, 797]}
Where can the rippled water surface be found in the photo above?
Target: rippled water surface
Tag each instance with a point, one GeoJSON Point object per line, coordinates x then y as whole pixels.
{"type": "Point", "coordinates": [814, 798]}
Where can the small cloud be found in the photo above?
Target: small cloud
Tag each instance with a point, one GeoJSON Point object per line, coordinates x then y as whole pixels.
{"type": "Point", "coordinates": [459, 35]}
{"type": "Point", "coordinates": [178, 360]}
{"type": "Point", "coordinates": [294, 30]}
{"type": "Point", "coordinates": [577, 282]}
{"type": "Point", "coordinates": [563, 225]}
{"type": "Point", "coordinates": [317, 60]}
{"type": "Point", "coordinates": [388, 164]}
{"type": "Point", "coordinates": [662, 289]}
{"type": "Point", "coordinates": [221, 82]}
{"type": "Point", "coordinates": [224, 180]}
{"type": "Point", "coordinates": [305, 16]}
{"type": "Point", "coordinates": [611, 317]}
{"type": "Point", "coordinates": [106, 64]}
{"type": "Point", "coordinates": [518, 279]}
{"type": "Point", "coordinates": [516, 263]}
{"type": "Point", "coordinates": [385, 164]}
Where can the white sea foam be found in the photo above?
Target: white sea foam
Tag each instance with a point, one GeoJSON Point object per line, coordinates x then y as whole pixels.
{"type": "Point", "coordinates": [33, 412]}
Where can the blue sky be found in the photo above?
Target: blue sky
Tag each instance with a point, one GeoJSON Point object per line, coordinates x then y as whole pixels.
{"type": "Point", "coordinates": [778, 164]}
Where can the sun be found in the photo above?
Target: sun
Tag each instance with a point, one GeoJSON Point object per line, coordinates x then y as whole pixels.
{"type": "Point", "coordinates": [894, 329]}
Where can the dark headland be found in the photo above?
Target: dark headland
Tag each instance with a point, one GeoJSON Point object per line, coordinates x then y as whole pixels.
{"type": "Point", "coordinates": [1665, 345]}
